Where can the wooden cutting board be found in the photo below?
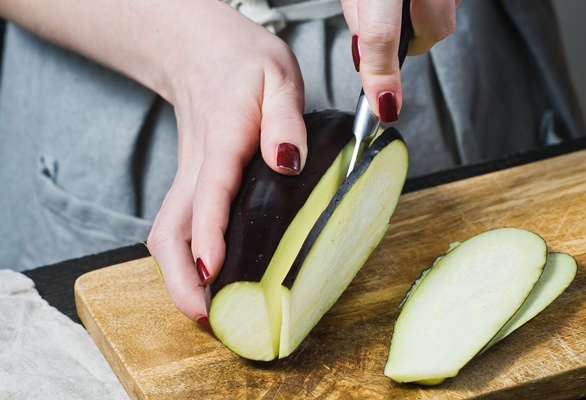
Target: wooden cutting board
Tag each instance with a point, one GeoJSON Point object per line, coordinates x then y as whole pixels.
{"type": "Point", "coordinates": [159, 354]}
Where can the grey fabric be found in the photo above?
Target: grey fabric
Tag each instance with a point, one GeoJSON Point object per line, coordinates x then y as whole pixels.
{"type": "Point", "coordinates": [75, 157]}
{"type": "Point", "coordinates": [86, 155]}
{"type": "Point", "coordinates": [502, 74]}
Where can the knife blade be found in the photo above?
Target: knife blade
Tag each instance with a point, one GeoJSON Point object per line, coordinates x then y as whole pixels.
{"type": "Point", "coordinates": [366, 122]}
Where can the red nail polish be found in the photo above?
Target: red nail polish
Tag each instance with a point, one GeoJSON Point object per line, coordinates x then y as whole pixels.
{"type": "Point", "coordinates": [387, 107]}
{"type": "Point", "coordinates": [356, 52]}
{"type": "Point", "coordinates": [288, 156]}
{"type": "Point", "coordinates": [202, 271]}
{"type": "Point", "coordinates": [204, 323]}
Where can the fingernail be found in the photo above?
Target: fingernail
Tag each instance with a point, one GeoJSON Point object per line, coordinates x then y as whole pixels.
{"type": "Point", "coordinates": [288, 156]}
{"type": "Point", "coordinates": [387, 107]}
{"type": "Point", "coordinates": [202, 271]}
{"type": "Point", "coordinates": [356, 52]}
{"type": "Point", "coordinates": [204, 323]}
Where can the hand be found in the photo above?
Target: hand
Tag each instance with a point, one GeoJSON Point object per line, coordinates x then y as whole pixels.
{"type": "Point", "coordinates": [375, 26]}
{"type": "Point", "coordinates": [233, 86]}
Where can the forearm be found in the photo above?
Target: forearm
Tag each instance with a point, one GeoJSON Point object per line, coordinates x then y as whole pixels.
{"type": "Point", "coordinates": [139, 38]}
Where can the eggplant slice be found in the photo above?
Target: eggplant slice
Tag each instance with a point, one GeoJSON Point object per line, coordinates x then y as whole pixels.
{"type": "Point", "coordinates": [343, 238]}
{"type": "Point", "coordinates": [462, 302]}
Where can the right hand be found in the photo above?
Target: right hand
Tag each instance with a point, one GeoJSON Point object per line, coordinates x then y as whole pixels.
{"type": "Point", "coordinates": [376, 25]}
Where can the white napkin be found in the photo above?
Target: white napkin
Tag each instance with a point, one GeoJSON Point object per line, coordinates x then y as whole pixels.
{"type": "Point", "coordinates": [43, 354]}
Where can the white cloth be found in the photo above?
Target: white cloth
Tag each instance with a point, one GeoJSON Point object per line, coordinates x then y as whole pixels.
{"type": "Point", "coordinates": [43, 354]}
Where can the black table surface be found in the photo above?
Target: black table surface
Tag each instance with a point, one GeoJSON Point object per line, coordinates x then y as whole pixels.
{"type": "Point", "coordinates": [55, 282]}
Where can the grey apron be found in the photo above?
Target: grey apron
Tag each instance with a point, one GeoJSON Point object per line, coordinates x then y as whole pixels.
{"type": "Point", "coordinates": [87, 155]}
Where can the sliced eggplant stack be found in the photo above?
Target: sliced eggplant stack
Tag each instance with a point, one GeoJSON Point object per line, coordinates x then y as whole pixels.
{"type": "Point", "coordinates": [295, 243]}
{"type": "Point", "coordinates": [559, 271]}
{"type": "Point", "coordinates": [472, 297]}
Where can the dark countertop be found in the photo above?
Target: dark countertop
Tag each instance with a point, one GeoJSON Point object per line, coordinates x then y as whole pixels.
{"type": "Point", "coordinates": [55, 282]}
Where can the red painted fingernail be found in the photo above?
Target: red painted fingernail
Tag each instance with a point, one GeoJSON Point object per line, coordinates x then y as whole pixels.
{"type": "Point", "coordinates": [387, 107]}
{"type": "Point", "coordinates": [288, 157]}
{"type": "Point", "coordinates": [204, 323]}
{"type": "Point", "coordinates": [356, 52]}
{"type": "Point", "coordinates": [202, 271]}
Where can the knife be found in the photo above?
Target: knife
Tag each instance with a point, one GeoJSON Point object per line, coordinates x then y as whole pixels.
{"type": "Point", "coordinates": [366, 122]}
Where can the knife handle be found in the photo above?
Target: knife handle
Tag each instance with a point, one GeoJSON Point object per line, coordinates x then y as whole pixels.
{"type": "Point", "coordinates": [406, 31]}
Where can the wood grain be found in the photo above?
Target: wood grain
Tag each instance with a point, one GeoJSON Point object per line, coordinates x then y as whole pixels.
{"type": "Point", "coordinates": [159, 354]}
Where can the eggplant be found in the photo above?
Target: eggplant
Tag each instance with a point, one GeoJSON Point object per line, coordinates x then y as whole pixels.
{"type": "Point", "coordinates": [470, 298]}
{"type": "Point", "coordinates": [268, 201]}
{"type": "Point", "coordinates": [294, 243]}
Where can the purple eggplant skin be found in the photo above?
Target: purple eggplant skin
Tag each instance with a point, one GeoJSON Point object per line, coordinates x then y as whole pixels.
{"type": "Point", "coordinates": [389, 135]}
{"type": "Point", "coordinates": [267, 201]}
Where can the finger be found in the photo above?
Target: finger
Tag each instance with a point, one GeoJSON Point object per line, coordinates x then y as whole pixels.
{"type": "Point", "coordinates": [169, 244]}
{"type": "Point", "coordinates": [433, 21]}
{"type": "Point", "coordinates": [283, 133]}
{"type": "Point", "coordinates": [217, 184]}
{"type": "Point", "coordinates": [379, 29]}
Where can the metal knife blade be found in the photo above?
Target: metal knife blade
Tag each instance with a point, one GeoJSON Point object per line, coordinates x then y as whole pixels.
{"type": "Point", "coordinates": [366, 122]}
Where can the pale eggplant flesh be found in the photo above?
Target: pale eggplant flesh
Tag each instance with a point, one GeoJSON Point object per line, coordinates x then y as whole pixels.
{"type": "Point", "coordinates": [559, 272]}
{"type": "Point", "coordinates": [382, 141]}
{"type": "Point", "coordinates": [343, 238]}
